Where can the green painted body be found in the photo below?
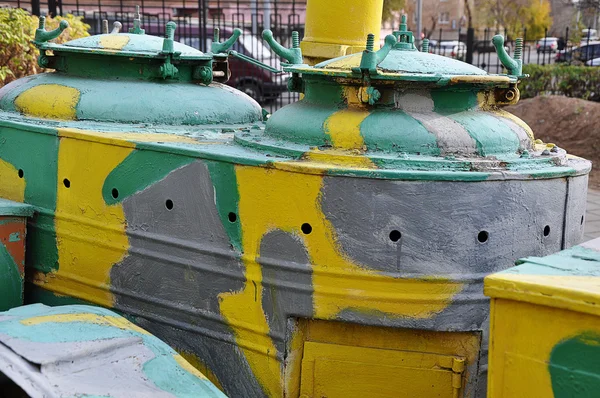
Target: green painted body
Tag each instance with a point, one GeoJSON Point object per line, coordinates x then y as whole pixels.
{"type": "Point", "coordinates": [575, 367]}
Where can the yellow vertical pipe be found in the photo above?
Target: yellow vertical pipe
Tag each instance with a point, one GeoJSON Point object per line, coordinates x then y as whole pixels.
{"type": "Point", "coordinates": [339, 27]}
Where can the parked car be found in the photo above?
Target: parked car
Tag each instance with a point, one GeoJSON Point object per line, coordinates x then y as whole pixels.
{"type": "Point", "coordinates": [455, 49]}
{"type": "Point", "coordinates": [486, 46]}
{"type": "Point", "coordinates": [579, 55]}
{"type": "Point", "coordinates": [547, 44]}
{"type": "Point", "coordinates": [593, 62]}
{"type": "Point", "coordinates": [258, 83]}
{"type": "Point", "coordinates": [589, 34]}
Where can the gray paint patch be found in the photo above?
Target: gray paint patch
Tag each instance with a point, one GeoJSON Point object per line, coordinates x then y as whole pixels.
{"type": "Point", "coordinates": [279, 248]}
{"type": "Point", "coordinates": [179, 261]}
{"type": "Point", "coordinates": [452, 138]}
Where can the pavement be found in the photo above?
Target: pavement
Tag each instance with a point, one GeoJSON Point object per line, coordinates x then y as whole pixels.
{"type": "Point", "coordinates": [592, 216]}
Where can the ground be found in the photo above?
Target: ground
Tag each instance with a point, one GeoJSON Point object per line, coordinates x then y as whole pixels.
{"type": "Point", "coordinates": [570, 123]}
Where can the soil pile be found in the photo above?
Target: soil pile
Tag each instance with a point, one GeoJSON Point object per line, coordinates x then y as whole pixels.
{"type": "Point", "coordinates": [570, 123]}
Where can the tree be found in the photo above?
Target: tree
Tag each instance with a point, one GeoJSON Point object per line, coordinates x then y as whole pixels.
{"type": "Point", "coordinates": [514, 16]}
{"type": "Point", "coordinates": [18, 56]}
{"type": "Point", "coordinates": [391, 8]}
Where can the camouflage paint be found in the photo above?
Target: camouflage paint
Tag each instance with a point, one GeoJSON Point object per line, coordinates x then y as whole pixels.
{"type": "Point", "coordinates": [222, 235]}
{"type": "Point", "coordinates": [545, 325]}
{"type": "Point", "coordinates": [88, 351]}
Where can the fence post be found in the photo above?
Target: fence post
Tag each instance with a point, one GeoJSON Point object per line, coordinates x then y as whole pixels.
{"type": "Point", "coordinates": [470, 45]}
{"type": "Point", "coordinates": [35, 7]}
{"type": "Point", "coordinates": [52, 8]}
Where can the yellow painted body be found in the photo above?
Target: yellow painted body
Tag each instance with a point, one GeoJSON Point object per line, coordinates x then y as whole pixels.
{"type": "Point", "coordinates": [349, 360]}
{"type": "Point", "coordinates": [83, 220]}
{"type": "Point", "coordinates": [339, 27]}
{"type": "Point", "coordinates": [532, 315]}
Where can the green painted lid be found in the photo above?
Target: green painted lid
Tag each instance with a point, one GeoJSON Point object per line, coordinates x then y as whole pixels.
{"type": "Point", "coordinates": [399, 60]}
{"type": "Point", "coordinates": [130, 78]}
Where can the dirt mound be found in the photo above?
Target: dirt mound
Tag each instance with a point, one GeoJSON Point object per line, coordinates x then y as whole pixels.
{"type": "Point", "coordinates": [570, 123]}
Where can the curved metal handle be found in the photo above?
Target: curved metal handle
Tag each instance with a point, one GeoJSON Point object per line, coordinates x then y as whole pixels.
{"type": "Point", "coordinates": [254, 62]}
{"type": "Point", "coordinates": [514, 66]}
{"type": "Point", "coordinates": [42, 36]}
{"type": "Point", "coordinates": [293, 55]}
{"type": "Point", "coordinates": [217, 48]}
{"type": "Point", "coordinates": [370, 59]}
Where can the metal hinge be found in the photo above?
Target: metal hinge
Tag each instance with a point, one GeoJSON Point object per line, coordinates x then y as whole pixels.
{"type": "Point", "coordinates": [458, 367]}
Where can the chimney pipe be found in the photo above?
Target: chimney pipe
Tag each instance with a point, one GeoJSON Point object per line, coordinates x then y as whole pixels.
{"type": "Point", "coordinates": [339, 27]}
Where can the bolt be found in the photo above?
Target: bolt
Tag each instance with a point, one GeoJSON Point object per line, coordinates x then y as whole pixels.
{"type": "Point", "coordinates": [42, 23]}
{"type": "Point", "coordinates": [170, 31]}
{"type": "Point", "coordinates": [525, 154]}
{"type": "Point", "coordinates": [554, 149]}
{"type": "Point", "coordinates": [518, 48]}
{"type": "Point", "coordinates": [216, 35]}
{"type": "Point", "coordinates": [403, 23]}
{"type": "Point", "coordinates": [546, 152]}
{"type": "Point", "coordinates": [425, 47]}
{"type": "Point", "coordinates": [370, 42]}
{"type": "Point", "coordinates": [105, 26]}
{"type": "Point", "coordinates": [295, 39]}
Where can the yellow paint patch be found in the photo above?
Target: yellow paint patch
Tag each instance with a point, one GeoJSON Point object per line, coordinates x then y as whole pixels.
{"type": "Point", "coordinates": [103, 320]}
{"type": "Point", "coordinates": [128, 139]}
{"type": "Point", "coordinates": [517, 121]}
{"type": "Point", "coordinates": [90, 234]}
{"type": "Point", "coordinates": [188, 367]}
{"type": "Point", "coordinates": [572, 292]}
{"type": "Point", "coordinates": [12, 187]}
{"type": "Point", "coordinates": [522, 337]}
{"type": "Point", "coordinates": [199, 365]}
{"type": "Point", "coordinates": [339, 159]}
{"type": "Point", "coordinates": [344, 128]}
{"type": "Point", "coordinates": [271, 199]}
{"type": "Point", "coordinates": [346, 62]}
{"type": "Point", "coordinates": [114, 42]}
{"type": "Point", "coordinates": [50, 101]}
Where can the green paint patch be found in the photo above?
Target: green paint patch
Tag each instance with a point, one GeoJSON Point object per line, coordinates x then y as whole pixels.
{"type": "Point", "coordinates": [574, 367]}
{"type": "Point", "coordinates": [11, 282]}
{"type": "Point", "coordinates": [448, 101]}
{"type": "Point", "coordinates": [227, 198]}
{"type": "Point", "coordinates": [34, 151]}
{"type": "Point", "coordinates": [138, 171]}
{"type": "Point", "coordinates": [491, 136]}
{"type": "Point", "coordinates": [14, 237]}
{"type": "Point", "coordinates": [396, 131]}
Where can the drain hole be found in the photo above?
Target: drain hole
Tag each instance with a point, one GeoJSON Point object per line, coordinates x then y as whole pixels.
{"type": "Point", "coordinates": [21, 174]}
{"type": "Point", "coordinates": [547, 230]}
{"type": "Point", "coordinates": [306, 228]}
{"type": "Point", "coordinates": [67, 183]}
{"type": "Point", "coordinates": [483, 236]}
{"type": "Point", "coordinates": [232, 217]}
{"type": "Point", "coordinates": [115, 193]}
{"type": "Point", "coordinates": [169, 204]}
{"type": "Point", "coordinates": [395, 235]}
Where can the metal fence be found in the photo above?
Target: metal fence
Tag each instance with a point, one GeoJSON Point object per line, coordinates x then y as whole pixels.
{"type": "Point", "coordinates": [197, 19]}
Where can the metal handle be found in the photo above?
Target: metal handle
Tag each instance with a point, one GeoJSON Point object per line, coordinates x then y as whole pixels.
{"type": "Point", "coordinates": [42, 36]}
{"type": "Point", "coordinates": [293, 55]}
{"type": "Point", "coordinates": [254, 62]}
{"type": "Point", "coordinates": [514, 66]}
{"type": "Point", "coordinates": [218, 48]}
